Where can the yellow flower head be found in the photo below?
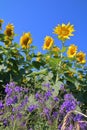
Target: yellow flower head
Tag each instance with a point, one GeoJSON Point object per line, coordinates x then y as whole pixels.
{"type": "Point", "coordinates": [47, 58]}
{"type": "Point", "coordinates": [9, 30]}
{"type": "Point", "coordinates": [70, 73]}
{"type": "Point", "coordinates": [1, 22]}
{"type": "Point", "coordinates": [25, 40]}
{"type": "Point", "coordinates": [38, 56]}
{"type": "Point", "coordinates": [48, 43]}
{"type": "Point", "coordinates": [8, 41]}
{"type": "Point", "coordinates": [64, 31]}
{"type": "Point", "coordinates": [55, 50]}
{"type": "Point", "coordinates": [81, 57]}
{"type": "Point", "coordinates": [72, 51]}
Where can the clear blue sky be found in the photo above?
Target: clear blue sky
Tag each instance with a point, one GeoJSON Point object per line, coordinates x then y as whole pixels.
{"type": "Point", "coordinates": [40, 17]}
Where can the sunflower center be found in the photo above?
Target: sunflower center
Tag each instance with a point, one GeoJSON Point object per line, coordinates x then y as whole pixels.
{"type": "Point", "coordinates": [25, 40]}
{"type": "Point", "coordinates": [81, 58]}
{"type": "Point", "coordinates": [9, 32]}
{"type": "Point", "coordinates": [48, 42]}
{"type": "Point", "coordinates": [64, 31]}
{"type": "Point", "coordinates": [72, 51]}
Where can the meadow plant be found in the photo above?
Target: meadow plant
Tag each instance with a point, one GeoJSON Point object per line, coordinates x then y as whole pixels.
{"type": "Point", "coordinates": [42, 91]}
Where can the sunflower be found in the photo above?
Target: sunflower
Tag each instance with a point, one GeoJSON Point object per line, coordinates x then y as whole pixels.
{"type": "Point", "coordinates": [72, 51]}
{"type": "Point", "coordinates": [81, 57]}
{"type": "Point", "coordinates": [38, 56]}
{"type": "Point", "coordinates": [55, 50]}
{"type": "Point", "coordinates": [9, 30]}
{"type": "Point", "coordinates": [64, 31]}
{"type": "Point", "coordinates": [7, 41]}
{"type": "Point", "coordinates": [48, 43]}
{"type": "Point", "coordinates": [25, 40]}
{"type": "Point", "coordinates": [1, 22]}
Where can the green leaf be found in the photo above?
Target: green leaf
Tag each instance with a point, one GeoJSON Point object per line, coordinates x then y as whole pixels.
{"type": "Point", "coordinates": [72, 70]}
{"type": "Point", "coordinates": [2, 67]}
{"type": "Point", "coordinates": [63, 49]}
{"type": "Point", "coordinates": [53, 62]}
{"type": "Point", "coordinates": [36, 64]}
{"type": "Point", "coordinates": [56, 87]}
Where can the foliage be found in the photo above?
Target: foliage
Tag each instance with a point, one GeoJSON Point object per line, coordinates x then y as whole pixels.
{"type": "Point", "coordinates": [49, 90]}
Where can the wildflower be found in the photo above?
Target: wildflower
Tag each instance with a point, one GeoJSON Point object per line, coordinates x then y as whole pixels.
{"type": "Point", "coordinates": [78, 117]}
{"type": "Point", "coordinates": [72, 51]}
{"type": "Point", "coordinates": [24, 102]}
{"type": "Point", "coordinates": [1, 105]}
{"type": "Point", "coordinates": [46, 85]}
{"type": "Point", "coordinates": [56, 99]}
{"type": "Point", "coordinates": [25, 40]}
{"type": "Point", "coordinates": [9, 101]}
{"type": "Point", "coordinates": [64, 31]}
{"type": "Point", "coordinates": [5, 122]}
{"type": "Point", "coordinates": [8, 90]}
{"type": "Point", "coordinates": [9, 30]}
{"type": "Point", "coordinates": [55, 114]}
{"type": "Point", "coordinates": [15, 99]}
{"type": "Point", "coordinates": [48, 94]}
{"type": "Point", "coordinates": [31, 108]}
{"type": "Point", "coordinates": [18, 89]}
{"type": "Point", "coordinates": [69, 104]}
{"type": "Point", "coordinates": [37, 96]}
{"type": "Point", "coordinates": [83, 125]}
{"type": "Point", "coordinates": [46, 111]}
{"type": "Point", "coordinates": [62, 87]}
{"type": "Point", "coordinates": [81, 57]}
{"type": "Point", "coordinates": [1, 22]}
{"type": "Point", "coordinates": [48, 43]}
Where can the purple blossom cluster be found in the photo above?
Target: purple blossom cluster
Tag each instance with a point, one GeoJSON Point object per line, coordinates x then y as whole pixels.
{"type": "Point", "coordinates": [43, 105]}
{"type": "Point", "coordinates": [69, 104]}
{"type": "Point", "coordinates": [15, 103]}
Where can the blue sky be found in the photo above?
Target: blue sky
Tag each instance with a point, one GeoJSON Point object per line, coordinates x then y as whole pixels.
{"type": "Point", "coordinates": [40, 17]}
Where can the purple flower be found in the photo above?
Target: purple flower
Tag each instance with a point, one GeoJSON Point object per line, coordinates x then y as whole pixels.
{"type": "Point", "coordinates": [83, 125]}
{"type": "Point", "coordinates": [78, 117]}
{"type": "Point", "coordinates": [46, 111]}
{"type": "Point", "coordinates": [18, 89]}
{"type": "Point", "coordinates": [69, 104]}
{"type": "Point", "coordinates": [9, 101]}
{"type": "Point", "coordinates": [15, 99]}
{"type": "Point", "coordinates": [68, 97]}
{"type": "Point", "coordinates": [12, 117]}
{"type": "Point", "coordinates": [70, 127]}
{"type": "Point", "coordinates": [31, 108]}
{"type": "Point", "coordinates": [12, 84]}
{"type": "Point", "coordinates": [19, 115]}
{"type": "Point", "coordinates": [5, 122]}
{"type": "Point", "coordinates": [1, 105]}
{"type": "Point", "coordinates": [62, 87]}
{"type": "Point", "coordinates": [37, 96]}
{"type": "Point", "coordinates": [55, 114]}
{"type": "Point", "coordinates": [46, 85]}
{"type": "Point", "coordinates": [8, 90]}
{"type": "Point", "coordinates": [24, 102]}
{"type": "Point", "coordinates": [48, 94]}
{"type": "Point", "coordinates": [56, 99]}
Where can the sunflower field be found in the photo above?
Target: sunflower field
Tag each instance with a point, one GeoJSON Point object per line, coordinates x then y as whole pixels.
{"type": "Point", "coordinates": [42, 91]}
